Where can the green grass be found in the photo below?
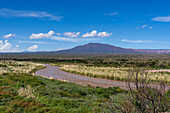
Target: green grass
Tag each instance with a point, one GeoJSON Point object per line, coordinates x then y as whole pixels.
{"type": "Point", "coordinates": [52, 95]}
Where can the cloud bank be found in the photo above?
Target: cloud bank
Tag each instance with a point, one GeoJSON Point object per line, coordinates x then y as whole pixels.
{"type": "Point", "coordinates": [69, 36]}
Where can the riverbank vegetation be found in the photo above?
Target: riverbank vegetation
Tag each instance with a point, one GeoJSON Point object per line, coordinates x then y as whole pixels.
{"type": "Point", "coordinates": [143, 97]}
{"type": "Point", "coordinates": [22, 91]}
{"type": "Point", "coordinates": [9, 66]}
{"type": "Point", "coordinates": [25, 92]}
{"type": "Point", "coordinates": [113, 73]}
{"type": "Point", "coordinates": [153, 61]}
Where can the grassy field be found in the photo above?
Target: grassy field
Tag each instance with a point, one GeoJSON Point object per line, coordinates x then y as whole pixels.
{"type": "Point", "coordinates": [112, 73]}
{"type": "Point", "coordinates": [21, 91]}
{"type": "Point", "coordinates": [154, 61]}
{"type": "Point", "coordinates": [8, 66]}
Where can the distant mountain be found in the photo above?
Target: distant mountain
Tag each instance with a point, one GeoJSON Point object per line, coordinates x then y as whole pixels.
{"type": "Point", "coordinates": [158, 51]}
{"type": "Point", "coordinates": [106, 48]}
{"type": "Point", "coordinates": [98, 48]}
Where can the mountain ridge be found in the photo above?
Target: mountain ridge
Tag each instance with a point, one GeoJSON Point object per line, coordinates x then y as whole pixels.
{"type": "Point", "coordinates": [98, 48]}
{"type": "Point", "coordinates": [106, 48]}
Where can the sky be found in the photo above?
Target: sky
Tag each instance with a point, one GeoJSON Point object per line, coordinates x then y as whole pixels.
{"type": "Point", "coordinates": [51, 25]}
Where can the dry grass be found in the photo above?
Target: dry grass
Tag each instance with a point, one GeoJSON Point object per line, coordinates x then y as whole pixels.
{"type": "Point", "coordinates": [110, 72]}
{"type": "Point", "coordinates": [26, 92]}
{"type": "Point", "coordinates": [17, 67]}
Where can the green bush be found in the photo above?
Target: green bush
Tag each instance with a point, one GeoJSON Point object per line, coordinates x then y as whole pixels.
{"type": "Point", "coordinates": [50, 96]}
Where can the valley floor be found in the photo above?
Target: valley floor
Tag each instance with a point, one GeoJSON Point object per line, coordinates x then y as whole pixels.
{"type": "Point", "coordinates": [26, 93]}
{"type": "Point", "coordinates": [55, 73]}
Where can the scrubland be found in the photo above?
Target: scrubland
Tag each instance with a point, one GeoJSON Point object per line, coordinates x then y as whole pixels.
{"type": "Point", "coordinates": [9, 66]}
{"type": "Point", "coordinates": [22, 91]}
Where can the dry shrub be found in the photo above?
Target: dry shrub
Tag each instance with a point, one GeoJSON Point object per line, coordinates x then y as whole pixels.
{"type": "Point", "coordinates": [26, 92]}
{"type": "Point", "coordinates": [143, 96]}
{"type": "Point", "coordinates": [51, 78]}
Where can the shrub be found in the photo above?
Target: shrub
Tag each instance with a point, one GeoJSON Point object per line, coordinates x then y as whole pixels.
{"type": "Point", "coordinates": [26, 92]}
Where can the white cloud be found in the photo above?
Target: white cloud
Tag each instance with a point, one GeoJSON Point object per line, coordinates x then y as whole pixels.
{"type": "Point", "coordinates": [9, 35]}
{"type": "Point", "coordinates": [144, 26]}
{"type": "Point", "coordinates": [35, 42]}
{"type": "Point", "coordinates": [59, 49]}
{"type": "Point", "coordinates": [64, 39]}
{"type": "Point", "coordinates": [103, 34]}
{"type": "Point", "coordinates": [95, 34]}
{"type": "Point", "coordinates": [1, 43]}
{"type": "Point", "coordinates": [58, 34]}
{"type": "Point", "coordinates": [141, 41]}
{"type": "Point", "coordinates": [16, 45]}
{"type": "Point", "coordinates": [91, 34]}
{"type": "Point", "coordinates": [6, 41]}
{"type": "Point", "coordinates": [71, 34]}
{"type": "Point", "coordinates": [162, 19]}
{"type": "Point", "coordinates": [42, 35]}
{"type": "Point", "coordinates": [33, 48]}
{"type": "Point", "coordinates": [26, 14]}
{"type": "Point", "coordinates": [71, 39]}
{"type": "Point", "coordinates": [112, 13]}
{"type": "Point", "coordinates": [50, 36]}
{"type": "Point", "coordinates": [7, 47]}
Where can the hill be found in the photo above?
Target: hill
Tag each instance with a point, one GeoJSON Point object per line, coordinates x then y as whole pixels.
{"type": "Point", "coordinates": [98, 48]}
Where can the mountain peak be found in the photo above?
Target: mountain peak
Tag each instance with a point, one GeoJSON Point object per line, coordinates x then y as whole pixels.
{"type": "Point", "coordinates": [97, 48]}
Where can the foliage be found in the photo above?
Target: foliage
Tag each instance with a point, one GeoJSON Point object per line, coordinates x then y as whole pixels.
{"type": "Point", "coordinates": [23, 92]}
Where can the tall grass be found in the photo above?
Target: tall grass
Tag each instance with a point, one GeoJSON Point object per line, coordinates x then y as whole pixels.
{"type": "Point", "coordinates": [26, 92]}
{"type": "Point", "coordinates": [9, 66]}
{"type": "Point", "coordinates": [112, 73]}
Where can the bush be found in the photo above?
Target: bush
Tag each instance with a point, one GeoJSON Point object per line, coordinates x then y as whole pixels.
{"type": "Point", "coordinates": [26, 92]}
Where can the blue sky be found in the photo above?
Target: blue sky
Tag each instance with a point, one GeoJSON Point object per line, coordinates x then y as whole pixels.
{"type": "Point", "coordinates": [49, 25]}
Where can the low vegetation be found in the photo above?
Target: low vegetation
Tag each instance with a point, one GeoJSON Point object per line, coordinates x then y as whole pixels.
{"type": "Point", "coordinates": [24, 92]}
{"type": "Point", "coordinates": [154, 61]}
{"type": "Point", "coordinates": [143, 98]}
{"type": "Point", "coordinates": [112, 73]}
{"type": "Point", "coordinates": [8, 66]}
